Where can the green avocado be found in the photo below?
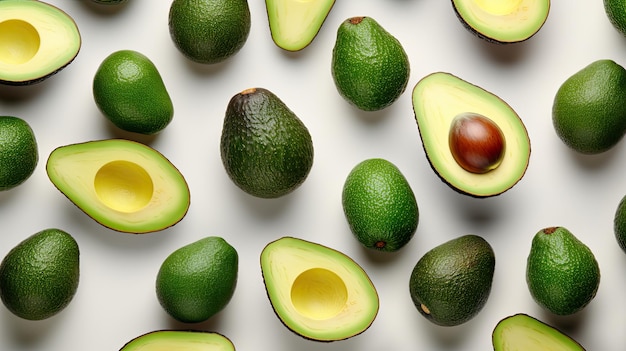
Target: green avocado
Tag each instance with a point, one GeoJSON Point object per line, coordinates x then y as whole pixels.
{"type": "Point", "coordinates": [369, 65]}
{"type": "Point", "coordinates": [523, 332]}
{"type": "Point", "coordinates": [294, 23]}
{"type": "Point", "coordinates": [189, 340]}
{"type": "Point", "coordinates": [379, 205]}
{"type": "Point", "coordinates": [317, 292]}
{"type": "Point", "coordinates": [19, 152]}
{"type": "Point", "coordinates": [38, 40]}
{"type": "Point", "coordinates": [562, 273]}
{"type": "Point", "coordinates": [266, 149]}
{"type": "Point", "coordinates": [39, 277]}
{"type": "Point", "coordinates": [502, 22]}
{"type": "Point", "coordinates": [209, 31]}
{"type": "Point", "coordinates": [123, 185]}
{"type": "Point", "coordinates": [474, 141]}
{"type": "Point", "coordinates": [450, 284]}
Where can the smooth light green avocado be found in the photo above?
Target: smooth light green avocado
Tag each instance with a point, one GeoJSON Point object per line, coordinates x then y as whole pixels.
{"type": "Point", "coordinates": [123, 185]}
{"type": "Point", "coordinates": [294, 23]}
{"type": "Point", "coordinates": [198, 280]}
{"type": "Point", "coordinates": [439, 100]}
{"type": "Point", "coordinates": [369, 65]}
{"type": "Point", "coordinates": [562, 273]}
{"type": "Point", "coordinates": [266, 149]}
{"type": "Point", "coordinates": [130, 92]}
{"type": "Point", "coordinates": [38, 40]}
{"type": "Point", "coordinates": [380, 205]}
{"type": "Point", "coordinates": [450, 284]}
{"type": "Point", "coordinates": [502, 21]}
{"type": "Point", "coordinates": [188, 340]}
{"type": "Point", "coordinates": [317, 292]}
{"type": "Point", "coordinates": [39, 277]}
{"type": "Point", "coordinates": [19, 152]}
{"type": "Point", "coordinates": [619, 224]}
{"type": "Point", "coordinates": [589, 108]}
{"type": "Point", "coordinates": [616, 13]}
{"type": "Point", "coordinates": [209, 31]}
{"type": "Point", "coordinates": [523, 332]}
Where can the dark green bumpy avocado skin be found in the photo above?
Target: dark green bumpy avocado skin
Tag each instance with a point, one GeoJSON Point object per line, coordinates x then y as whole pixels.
{"type": "Point", "coordinates": [266, 149]}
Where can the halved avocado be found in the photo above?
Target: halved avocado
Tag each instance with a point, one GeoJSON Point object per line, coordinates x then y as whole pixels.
{"type": "Point", "coordinates": [37, 40]}
{"type": "Point", "coordinates": [124, 185]}
{"type": "Point", "coordinates": [189, 340]}
{"type": "Point", "coordinates": [295, 23]}
{"type": "Point", "coordinates": [523, 332]}
{"type": "Point", "coordinates": [502, 21]}
{"type": "Point", "coordinates": [438, 99]}
{"type": "Point", "coordinates": [317, 292]}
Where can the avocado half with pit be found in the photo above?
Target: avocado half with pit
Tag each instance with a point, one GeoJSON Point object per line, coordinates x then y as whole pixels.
{"type": "Point", "coordinates": [474, 141]}
{"type": "Point", "coordinates": [124, 185]}
{"type": "Point", "coordinates": [37, 40]}
{"type": "Point", "coordinates": [502, 21]}
{"type": "Point", "coordinates": [317, 292]}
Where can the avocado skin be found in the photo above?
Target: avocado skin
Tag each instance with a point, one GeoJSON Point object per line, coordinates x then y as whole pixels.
{"type": "Point", "coordinates": [39, 277]}
{"type": "Point", "coordinates": [266, 149]}
{"type": "Point", "coordinates": [562, 273]}
{"type": "Point", "coordinates": [369, 65]}
{"type": "Point", "coordinates": [453, 280]}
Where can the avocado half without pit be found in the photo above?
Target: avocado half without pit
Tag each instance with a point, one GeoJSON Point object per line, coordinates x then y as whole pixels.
{"type": "Point", "coordinates": [37, 40]}
{"type": "Point", "coordinates": [474, 141]}
{"type": "Point", "coordinates": [317, 292]}
{"type": "Point", "coordinates": [502, 21]}
{"type": "Point", "coordinates": [123, 185]}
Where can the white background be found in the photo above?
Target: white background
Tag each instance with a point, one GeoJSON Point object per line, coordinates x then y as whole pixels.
{"type": "Point", "coordinates": [116, 299]}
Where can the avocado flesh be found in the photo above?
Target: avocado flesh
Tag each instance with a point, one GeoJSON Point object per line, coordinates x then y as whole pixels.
{"type": "Point", "coordinates": [317, 292]}
{"type": "Point", "coordinates": [165, 340]}
{"type": "Point", "coordinates": [123, 185]}
{"type": "Point", "coordinates": [295, 23]}
{"type": "Point", "coordinates": [37, 40]}
{"type": "Point", "coordinates": [502, 21]}
{"type": "Point", "coordinates": [437, 99]}
{"type": "Point", "coordinates": [523, 332]}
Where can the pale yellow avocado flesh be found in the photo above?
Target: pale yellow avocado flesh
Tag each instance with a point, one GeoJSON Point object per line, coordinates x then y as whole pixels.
{"type": "Point", "coordinates": [317, 292]}
{"type": "Point", "coordinates": [437, 99]}
{"type": "Point", "coordinates": [124, 185]}
{"type": "Point", "coordinates": [505, 21]}
{"type": "Point", "coordinates": [295, 23]}
{"type": "Point", "coordinates": [188, 340]}
{"type": "Point", "coordinates": [36, 41]}
{"type": "Point", "coordinates": [521, 332]}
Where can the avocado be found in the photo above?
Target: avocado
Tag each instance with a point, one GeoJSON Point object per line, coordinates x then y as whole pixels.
{"type": "Point", "coordinates": [39, 277]}
{"type": "Point", "coordinates": [502, 22]}
{"type": "Point", "coordinates": [369, 66]}
{"type": "Point", "coordinates": [198, 280]}
{"type": "Point", "coordinates": [129, 91]}
{"type": "Point", "coordinates": [317, 292]}
{"type": "Point", "coordinates": [123, 185]}
{"type": "Point", "coordinates": [266, 149]}
{"type": "Point", "coordinates": [38, 40]}
{"type": "Point", "coordinates": [109, 2]}
{"type": "Point", "coordinates": [615, 11]}
{"type": "Point", "coordinates": [450, 284]}
{"type": "Point", "coordinates": [19, 152]}
{"type": "Point", "coordinates": [562, 273]}
{"type": "Point", "coordinates": [209, 31]}
{"type": "Point", "coordinates": [380, 205]}
{"type": "Point", "coordinates": [486, 162]}
{"type": "Point", "coordinates": [523, 332]}
{"type": "Point", "coordinates": [294, 24]}
{"type": "Point", "coordinates": [589, 108]}
{"type": "Point", "coordinates": [619, 224]}
{"type": "Point", "coordinates": [189, 340]}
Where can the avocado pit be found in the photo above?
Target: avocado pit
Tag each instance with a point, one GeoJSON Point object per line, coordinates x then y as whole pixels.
{"type": "Point", "coordinates": [476, 142]}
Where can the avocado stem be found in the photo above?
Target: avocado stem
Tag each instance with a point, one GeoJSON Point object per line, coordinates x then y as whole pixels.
{"type": "Point", "coordinates": [549, 230]}
{"type": "Point", "coordinates": [356, 20]}
{"type": "Point", "coordinates": [248, 91]}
